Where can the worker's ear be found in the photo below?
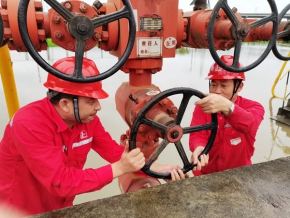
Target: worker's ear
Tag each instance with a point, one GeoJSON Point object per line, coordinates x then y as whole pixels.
{"type": "Point", "coordinates": [65, 104]}
{"type": "Point", "coordinates": [240, 87]}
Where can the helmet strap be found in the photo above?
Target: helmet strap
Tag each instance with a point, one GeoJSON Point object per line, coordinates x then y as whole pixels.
{"type": "Point", "coordinates": [76, 109]}
{"type": "Point", "coordinates": [237, 83]}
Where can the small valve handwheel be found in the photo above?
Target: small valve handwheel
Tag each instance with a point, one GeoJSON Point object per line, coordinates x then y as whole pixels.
{"type": "Point", "coordinates": [81, 28]}
{"type": "Point", "coordinates": [241, 30]}
{"type": "Point", "coordinates": [173, 132]}
{"type": "Point", "coordinates": [285, 35]}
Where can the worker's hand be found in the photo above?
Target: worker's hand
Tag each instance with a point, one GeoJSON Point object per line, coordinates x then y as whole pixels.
{"type": "Point", "coordinates": [174, 170]}
{"type": "Point", "coordinates": [8, 212]}
{"type": "Point", "coordinates": [203, 158]}
{"type": "Point", "coordinates": [177, 174]}
{"type": "Point", "coordinates": [131, 161]}
{"type": "Point", "coordinates": [214, 103]}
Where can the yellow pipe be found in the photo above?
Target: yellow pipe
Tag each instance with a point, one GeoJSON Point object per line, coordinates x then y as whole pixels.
{"type": "Point", "coordinates": [277, 78]}
{"type": "Point", "coordinates": [8, 81]}
{"type": "Point", "coordinates": [286, 87]}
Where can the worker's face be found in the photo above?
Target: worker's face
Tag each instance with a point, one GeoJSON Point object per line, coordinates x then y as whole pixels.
{"type": "Point", "coordinates": [88, 108]}
{"type": "Point", "coordinates": [224, 88]}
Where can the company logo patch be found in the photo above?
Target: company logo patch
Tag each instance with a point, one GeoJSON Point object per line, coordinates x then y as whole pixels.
{"type": "Point", "coordinates": [83, 134]}
{"type": "Point", "coordinates": [236, 141]}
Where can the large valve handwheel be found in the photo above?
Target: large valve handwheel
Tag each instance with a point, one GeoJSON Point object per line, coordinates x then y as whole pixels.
{"type": "Point", "coordinates": [241, 30]}
{"type": "Point", "coordinates": [81, 28]}
{"type": "Point", "coordinates": [173, 132]}
{"type": "Point", "coordinates": [285, 34]}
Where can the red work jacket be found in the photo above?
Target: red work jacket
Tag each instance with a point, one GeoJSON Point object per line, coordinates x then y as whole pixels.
{"type": "Point", "coordinates": [234, 143]}
{"type": "Point", "coordinates": [42, 159]}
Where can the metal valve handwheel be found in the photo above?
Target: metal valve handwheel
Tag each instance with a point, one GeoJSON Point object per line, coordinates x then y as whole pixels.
{"type": "Point", "coordinates": [81, 28]}
{"type": "Point", "coordinates": [285, 34]}
{"type": "Point", "coordinates": [173, 132]}
{"type": "Point", "coordinates": [241, 30]}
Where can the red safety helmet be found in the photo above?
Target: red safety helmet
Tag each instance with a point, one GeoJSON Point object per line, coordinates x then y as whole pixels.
{"type": "Point", "coordinates": [66, 65]}
{"type": "Point", "coordinates": [216, 72]}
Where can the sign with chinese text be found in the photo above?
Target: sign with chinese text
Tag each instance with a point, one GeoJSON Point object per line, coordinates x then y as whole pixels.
{"type": "Point", "coordinates": [149, 46]}
{"type": "Point", "coordinates": [170, 42]}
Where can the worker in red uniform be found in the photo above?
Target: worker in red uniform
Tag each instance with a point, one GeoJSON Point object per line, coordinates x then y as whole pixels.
{"type": "Point", "coordinates": [46, 143]}
{"type": "Point", "coordinates": [238, 121]}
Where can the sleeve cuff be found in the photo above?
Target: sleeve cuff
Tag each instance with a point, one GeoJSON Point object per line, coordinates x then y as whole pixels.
{"type": "Point", "coordinates": [105, 174]}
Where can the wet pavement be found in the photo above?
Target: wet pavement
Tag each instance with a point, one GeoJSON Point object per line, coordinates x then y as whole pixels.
{"type": "Point", "coordinates": [185, 70]}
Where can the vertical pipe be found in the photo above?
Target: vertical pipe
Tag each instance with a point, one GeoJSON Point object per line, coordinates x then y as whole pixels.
{"type": "Point", "coordinates": [278, 76]}
{"type": "Point", "coordinates": [286, 87]}
{"type": "Point", "coordinates": [8, 81]}
{"type": "Point", "coordinates": [285, 96]}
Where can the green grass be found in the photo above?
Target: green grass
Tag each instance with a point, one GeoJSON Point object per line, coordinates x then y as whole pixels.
{"type": "Point", "coordinates": [50, 43]}
{"type": "Point", "coordinates": [182, 50]}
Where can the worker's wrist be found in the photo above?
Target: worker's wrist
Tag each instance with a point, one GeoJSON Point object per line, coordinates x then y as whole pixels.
{"type": "Point", "coordinates": [116, 169]}
{"type": "Point", "coordinates": [229, 110]}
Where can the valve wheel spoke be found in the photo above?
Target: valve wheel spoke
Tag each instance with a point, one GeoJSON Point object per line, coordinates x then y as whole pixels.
{"type": "Point", "coordinates": [155, 154]}
{"type": "Point", "coordinates": [154, 124]}
{"type": "Point", "coordinates": [263, 21]}
{"type": "Point", "coordinates": [208, 126]}
{"type": "Point", "coordinates": [182, 154]}
{"type": "Point", "coordinates": [80, 47]}
{"type": "Point", "coordinates": [182, 108]}
{"type": "Point", "coordinates": [230, 13]}
{"type": "Point", "coordinates": [108, 18]}
{"type": "Point", "coordinates": [237, 53]}
{"type": "Point", "coordinates": [59, 8]}
{"type": "Point", "coordinates": [284, 33]}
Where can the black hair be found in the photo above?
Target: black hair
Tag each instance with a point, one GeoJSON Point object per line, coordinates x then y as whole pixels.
{"type": "Point", "coordinates": [55, 97]}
